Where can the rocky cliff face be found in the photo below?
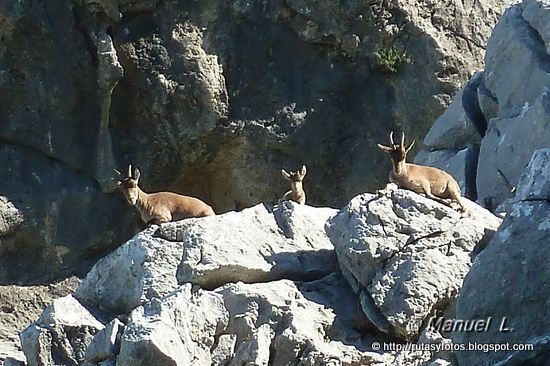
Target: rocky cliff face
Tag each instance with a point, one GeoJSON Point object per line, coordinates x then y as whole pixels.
{"type": "Point", "coordinates": [265, 286]}
{"type": "Point", "coordinates": [502, 115]}
{"type": "Point", "coordinates": [208, 98]}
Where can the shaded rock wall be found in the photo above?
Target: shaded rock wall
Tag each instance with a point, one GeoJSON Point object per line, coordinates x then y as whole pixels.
{"type": "Point", "coordinates": [509, 279]}
{"type": "Point", "coordinates": [208, 98]}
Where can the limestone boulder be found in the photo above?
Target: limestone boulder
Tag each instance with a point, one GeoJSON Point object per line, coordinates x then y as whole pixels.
{"type": "Point", "coordinates": [516, 58]}
{"type": "Point", "coordinates": [255, 245]}
{"type": "Point", "coordinates": [179, 329]}
{"type": "Point", "coordinates": [61, 334]}
{"type": "Point", "coordinates": [275, 323]}
{"type": "Point", "coordinates": [509, 280]}
{"type": "Point", "coordinates": [406, 255]}
{"type": "Point", "coordinates": [507, 148]}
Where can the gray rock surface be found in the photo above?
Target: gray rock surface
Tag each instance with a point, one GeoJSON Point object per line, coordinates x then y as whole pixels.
{"type": "Point", "coordinates": [281, 322]}
{"type": "Point", "coordinates": [22, 305]}
{"type": "Point", "coordinates": [253, 245]}
{"type": "Point", "coordinates": [516, 60]}
{"type": "Point", "coordinates": [509, 279]}
{"type": "Point", "coordinates": [179, 329]}
{"type": "Point", "coordinates": [406, 255]}
{"type": "Point", "coordinates": [535, 181]}
{"type": "Point", "coordinates": [509, 107]}
{"type": "Point", "coordinates": [209, 99]}
{"type": "Point", "coordinates": [106, 343]}
{"type": "Point", "coordinates": [507, 148]}
{"type": "Point", "coordinates": [61, 334]}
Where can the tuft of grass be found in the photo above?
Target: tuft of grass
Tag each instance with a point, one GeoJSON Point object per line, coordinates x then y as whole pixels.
{"type": "Point", "coordinates": [390, 59]}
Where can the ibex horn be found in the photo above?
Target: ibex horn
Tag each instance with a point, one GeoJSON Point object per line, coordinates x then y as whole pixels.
{"type": "Point", "coordinates": [116, 171]}
{"type": "Point", "coordinates": [130, 170]}
{"type": "Point", "coordinates": [391, 138]}
{"type": "Point", "coordinates": [402, 138]}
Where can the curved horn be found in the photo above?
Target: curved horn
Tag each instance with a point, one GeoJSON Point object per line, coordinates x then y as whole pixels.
{"type": "Point", "coordinates": [130, 170]}
{"type": "Point", "coordinates": [402, 138]}
{"type": "Point", "coordinates": [116, 171]}
{"type": "Point", "coordinates": [391, 138]}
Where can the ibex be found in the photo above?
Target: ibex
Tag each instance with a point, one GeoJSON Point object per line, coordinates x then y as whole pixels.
{"type": "Point", "coordinates": [296, 192]}
{"type": "Point", "coordinates": [156, 208]}
{"type": "Point", "coordinates": [434, 183]}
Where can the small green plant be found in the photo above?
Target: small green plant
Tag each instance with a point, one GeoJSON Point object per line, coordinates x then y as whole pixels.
{"type": "Point", "coordinates": [389, 59]}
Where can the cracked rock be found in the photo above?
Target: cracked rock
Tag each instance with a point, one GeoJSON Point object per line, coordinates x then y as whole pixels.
{"type": "Point", "coordinates": [277, 323]}
{"type": "Point", "coordinates": [510, 279]}
{"type": "Point", "coordinates": [507, 148]}
{"type": "Point", "coordinates": [253, 245]}
{"type": "Point", "coordinates": [61, 335]}
{"type": "Point", "coordinates": [406, 255]}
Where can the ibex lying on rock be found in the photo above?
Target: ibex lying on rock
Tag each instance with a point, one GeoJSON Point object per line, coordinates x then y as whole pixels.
{"type": "Point", "coordinates": [434, 183]}
{"type": "Point", "coordinates": [296, 192]}
{"type": "Point", "coordinates": [156, 208]}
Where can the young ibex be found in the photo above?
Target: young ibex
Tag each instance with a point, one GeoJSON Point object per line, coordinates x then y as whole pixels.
{"type": "Point", "coordinates": [296, 192]}
{"type": "Point", "coordinates": [434, 183]}
{"type": "Point", "coordinates": [156, 208]}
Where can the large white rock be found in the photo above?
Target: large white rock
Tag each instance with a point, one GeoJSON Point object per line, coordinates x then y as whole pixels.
{"type": "Point", "coordinates": [179, 329]}
{"type": "Point", "coordinates": [507, 148]}
{"type": "Point", "coordinates": [280, 323]}
{"type": "Point", "coordinates": [535, 181]}
{"type": "Point", "coordinates": [516, 59]}
{"type": "Point", "coordinates": [406, 255]}
{"type": "Point", "coordinates": [510, 280]}
{"type": "Point", "coordinates": [61, 335]}
{"type": "Point", "coordinates": [254, 245]}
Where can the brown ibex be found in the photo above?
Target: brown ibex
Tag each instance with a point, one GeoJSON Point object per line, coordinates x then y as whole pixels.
{"type": "Point", "coordinates": [296, 192]}
{"type": "Point", "coordinates": [156, 208]}
{"type": "Point", "coordinates": [434, 183]}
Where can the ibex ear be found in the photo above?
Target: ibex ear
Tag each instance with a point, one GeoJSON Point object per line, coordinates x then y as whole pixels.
{"type": "Point", "coordinates": [410, 146]}
{"type": "Point", "coordinates": [285, 174]}
{"type": "Point", "coordinates": [384, 148]}
{"type": "Point", "coordinates": [136, 174]}
{"type": "Point", "coordinates": [303, 170]}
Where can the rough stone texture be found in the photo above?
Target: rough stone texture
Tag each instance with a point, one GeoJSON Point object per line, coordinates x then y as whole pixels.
{"type": "Point", "coordinates": [535, 181]}
{"type": "Point", "coordinates": [406, 255]}
{"type": "Point", "coordinates": [510, 278]}
{"type": "Point", "coordinates": [106, 343]}
{"type": "Point", "coordinates": [179, 329]}
{"type": "Point", "coordinates": [208, 98]}
{"type": "Point", "coordinates": [508, 104]}
{"type": "Point", "coordinates": [252, 245]}
{"type": "Point", "coordinates": [281, 322]}
{"type": "Point", "coordinates": [61, 335]}
{"type": "Point", "coordinates": [507, 148]}
{"type": "Point", "coordinates": [20, 306]}
{"type": "Point", "coordinates": [140, 269]}
{"type": "Point", "coordinates": [63, 220]}
{"type": "Point", "coordinates": [457, 127]}
{"type": "Point", "coordinates": [517, 64]}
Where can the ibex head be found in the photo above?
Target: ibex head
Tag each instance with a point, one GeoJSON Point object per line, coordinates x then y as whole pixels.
{"type": "Point", "coordinates": [129, 185]}
{"type": "Point", "coordinates": [398, 152]}
{"type": "Point", "coordinates": [296, 176]}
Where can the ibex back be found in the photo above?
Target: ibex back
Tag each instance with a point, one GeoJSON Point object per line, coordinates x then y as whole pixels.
{"type": "Point", "coordinates": [434, 183]}
{"type": "Point", "coordinates": [156, 208]}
